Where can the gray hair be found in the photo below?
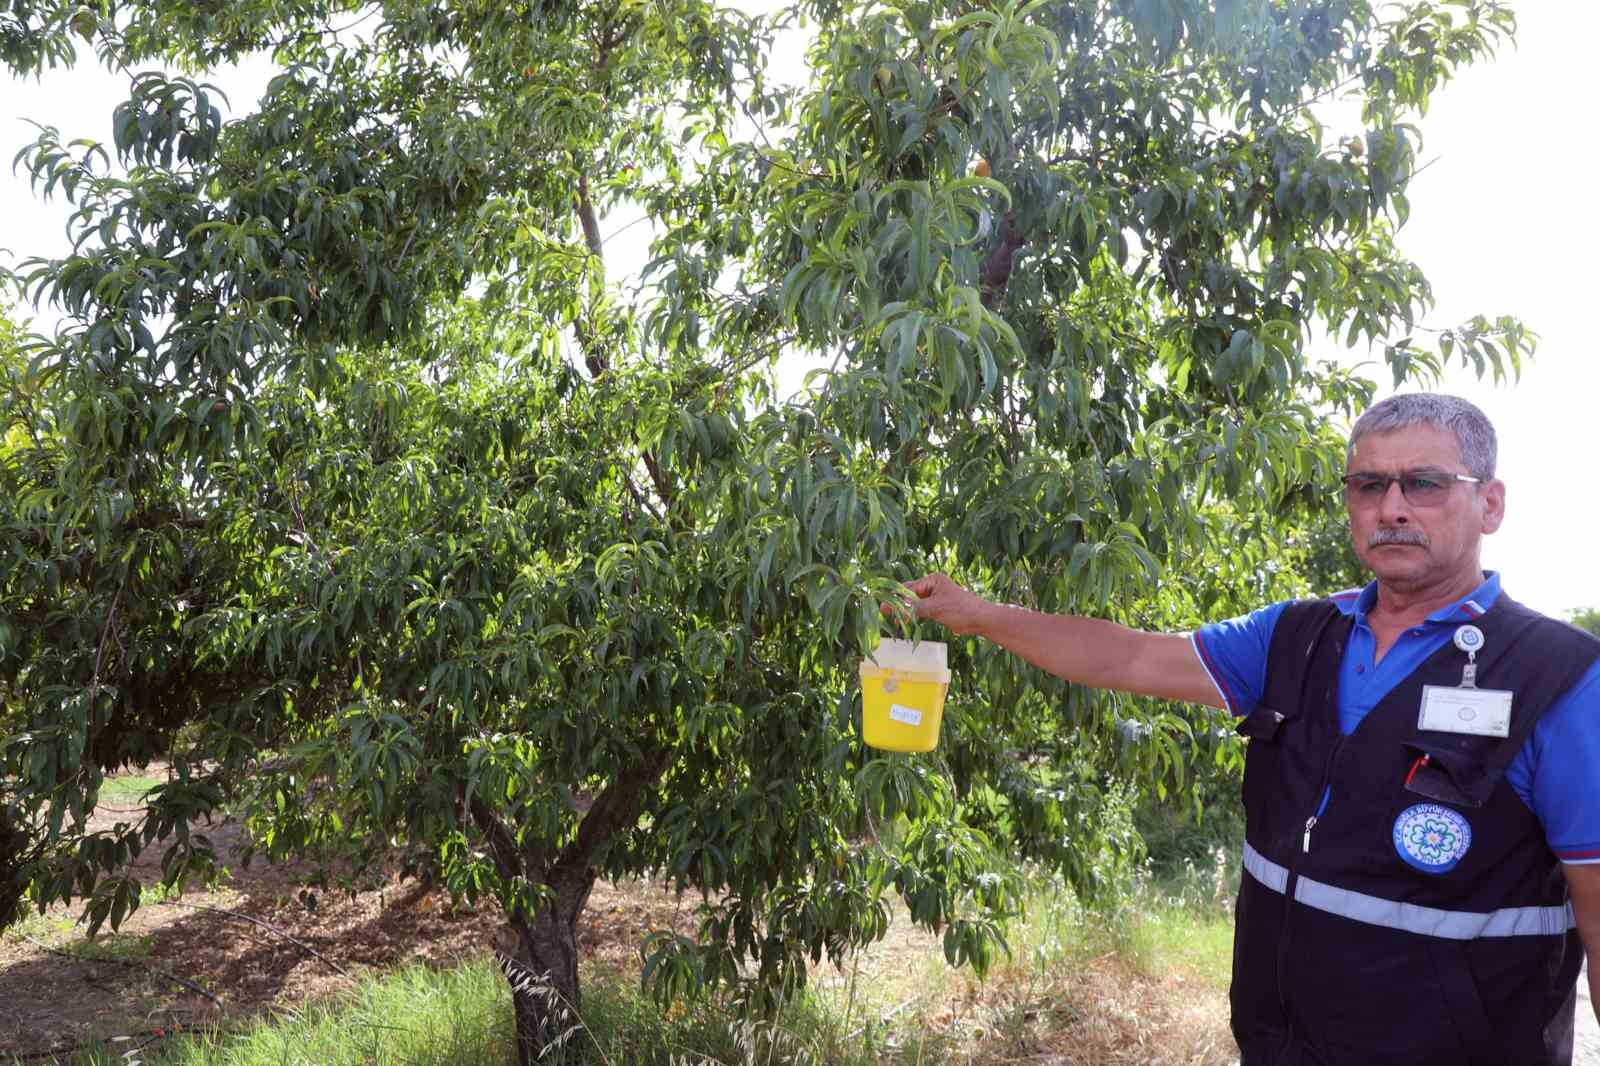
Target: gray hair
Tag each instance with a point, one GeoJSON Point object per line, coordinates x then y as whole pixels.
{"type": "Point", "coordinates": [1473, 432]}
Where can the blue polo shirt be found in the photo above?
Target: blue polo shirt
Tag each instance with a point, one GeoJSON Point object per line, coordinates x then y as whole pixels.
{"type": "Point", "coordinates": [1556, 774]}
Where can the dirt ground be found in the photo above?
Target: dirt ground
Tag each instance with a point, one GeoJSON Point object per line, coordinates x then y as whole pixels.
{"type": "Point", "coordinates": [312, 942]}
{"type": "Point", "coordinates": [301, 944]}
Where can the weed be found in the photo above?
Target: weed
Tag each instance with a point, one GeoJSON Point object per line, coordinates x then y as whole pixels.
{"type": "Point", "coordinates": [46, 927]}
{"type": "Point", "coordinates": [127, 790]}
{"type": "Point", "coordinates": [113, 947]}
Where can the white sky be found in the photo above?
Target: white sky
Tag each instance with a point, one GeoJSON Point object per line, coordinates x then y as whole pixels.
{"type": "Point", "coordinates": [1503, 221]}
{"type": "Point", "coordinates": [1506, 222]}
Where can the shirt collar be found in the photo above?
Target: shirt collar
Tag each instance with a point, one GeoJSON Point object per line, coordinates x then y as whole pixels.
{"type": "Point", "coordinates": [1358, 602]}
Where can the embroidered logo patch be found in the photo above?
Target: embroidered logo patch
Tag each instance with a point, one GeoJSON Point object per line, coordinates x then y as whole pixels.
{"type": "Point", "coordinates": [1431, 838]}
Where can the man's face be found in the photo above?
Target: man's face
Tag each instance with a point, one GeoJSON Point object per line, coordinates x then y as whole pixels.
{"type": "Point", "coordinates": [1412, 546]}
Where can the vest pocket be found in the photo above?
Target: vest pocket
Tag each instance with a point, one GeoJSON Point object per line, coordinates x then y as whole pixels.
{"type": "Point", "coordinates": [1264, 724]}
{"type": "Point", "coordinates": [1447, 775]}
{"type": "Point", "coordinates": [1264, 729]}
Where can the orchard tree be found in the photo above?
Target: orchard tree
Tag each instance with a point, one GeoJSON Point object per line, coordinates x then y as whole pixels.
{"type": "Point", "coordinates": [1586, 618]}
{"type": "Point", "coordinates": [365, 486]}
{"type": "Point", "coordinates": [19, 849]}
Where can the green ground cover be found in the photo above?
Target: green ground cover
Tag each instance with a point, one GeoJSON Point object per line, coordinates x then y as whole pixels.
{"type": "Point", "coordinates": [1104, 983]}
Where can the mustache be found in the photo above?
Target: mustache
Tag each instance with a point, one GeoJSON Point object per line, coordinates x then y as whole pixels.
{"type": "Point", "coordinates": [1397, 536]}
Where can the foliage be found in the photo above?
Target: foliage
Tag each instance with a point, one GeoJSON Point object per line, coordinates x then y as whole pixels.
{"type": "Point", "coordinates": [20, 849]}
{"type": "Point", "coordinates": [1586, 619]}
{"type": "Point", "coordinates": [359, 488]}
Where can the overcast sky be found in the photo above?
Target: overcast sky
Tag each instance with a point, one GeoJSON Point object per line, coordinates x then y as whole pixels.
{"type": "Point", "coordinates": [1504, 220]}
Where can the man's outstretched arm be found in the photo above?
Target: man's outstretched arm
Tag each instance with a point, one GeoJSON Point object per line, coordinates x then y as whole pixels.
{"type": "Point", "coordinates": [1087, 651]}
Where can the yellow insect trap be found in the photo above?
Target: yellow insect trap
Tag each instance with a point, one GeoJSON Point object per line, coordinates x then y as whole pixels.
{"type": "Point", "coordinates": [903, 686]}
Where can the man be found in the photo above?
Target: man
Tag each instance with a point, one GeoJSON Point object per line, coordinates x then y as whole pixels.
{"type": "Point", "coordinates": [1422, 858]}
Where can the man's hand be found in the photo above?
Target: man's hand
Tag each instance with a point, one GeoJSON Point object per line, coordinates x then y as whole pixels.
{"type": "Point", "coordinates": [941, 600]}
{"type": "Point", "coordinates": [1087, 651]}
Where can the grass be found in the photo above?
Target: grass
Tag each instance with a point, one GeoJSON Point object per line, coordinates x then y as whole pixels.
{"type": "Point", "coordinates": [111, 947]}
{"type": "Point", "coordinates": [1184, 920]}
{"type": "Point", "coordinates": [1198, 944]}
{"type": "Point", "coordinates": [56, 929]}
{"type": "Point", "coordinates": [127, 790]}
{"type": "Point", "coordinates": [455, 1017]}
{"type": "Point", "coordinates": [462, 1017]}
{"type": "Point", "coordinates": [46, 927]}
{"type": "Point", "coordinates": [1080, 986]}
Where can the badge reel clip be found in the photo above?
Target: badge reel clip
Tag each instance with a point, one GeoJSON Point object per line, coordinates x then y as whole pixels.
{"type": "Point", "coordinates": [1469, 639]}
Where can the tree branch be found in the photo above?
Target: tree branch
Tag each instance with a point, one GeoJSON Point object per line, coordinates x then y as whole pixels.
{"type": "Point", "coordinates": [614, 809]}
{"type": "Point", "coordinates": [588, 219]}
{"type": "Point", "coordinates": [997, 268]}
{"type": "Point", "coordinates": [594, 355]}
{"type": "Point", "coordinates": [508, 858]}
{"type": "Point", "coordinates": [107, 634]}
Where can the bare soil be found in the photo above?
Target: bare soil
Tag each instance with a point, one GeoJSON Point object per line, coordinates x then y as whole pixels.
{"type": "Point", "coordinates": [312, 943]}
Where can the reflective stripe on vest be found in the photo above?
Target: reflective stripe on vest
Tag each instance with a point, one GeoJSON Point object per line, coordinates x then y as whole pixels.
{"type": "Point", "coordinates": [1428, 921]}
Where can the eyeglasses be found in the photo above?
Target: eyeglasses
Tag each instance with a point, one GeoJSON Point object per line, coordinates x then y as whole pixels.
{"type": "Point", "coordinates": [1421, 488]}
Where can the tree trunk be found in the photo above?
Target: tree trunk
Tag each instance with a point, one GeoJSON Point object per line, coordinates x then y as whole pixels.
{"type": "Point", "coordinates": [541, 965]}
{"type": "Point", "coordinates": [539, 954]}
{"type": "Point", "coordinates": [15, 857]}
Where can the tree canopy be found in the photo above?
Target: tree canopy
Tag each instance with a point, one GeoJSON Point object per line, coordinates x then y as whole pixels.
{"type": "Point", "coordinates": [365, 488]}
{"type": "Point", "coordinates": [1587, 619]}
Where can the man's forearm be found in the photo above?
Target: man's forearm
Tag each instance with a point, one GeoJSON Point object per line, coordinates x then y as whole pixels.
{"type": "Point", "coordinates": [1100, 654]}
{"type": "Point", "coordinates": [1084, 650]}
{"type": "Point", "coordinates": [1594, 986]}
{"type": "Point", "coordinates": [1583, 882]}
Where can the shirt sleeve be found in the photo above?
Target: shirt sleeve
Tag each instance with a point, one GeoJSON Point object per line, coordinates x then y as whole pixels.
{"type": "Point", "coordinates": [1557, 773]}
{"type": "Point", "coordinates": [1234, 653]}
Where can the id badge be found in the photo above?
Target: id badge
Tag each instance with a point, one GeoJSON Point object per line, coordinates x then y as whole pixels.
{"type": "Point", "coordinates": [1482, 712]}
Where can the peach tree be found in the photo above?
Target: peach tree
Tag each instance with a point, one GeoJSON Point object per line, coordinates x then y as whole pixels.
{"type": "Point", "coordinates": [382, 487]}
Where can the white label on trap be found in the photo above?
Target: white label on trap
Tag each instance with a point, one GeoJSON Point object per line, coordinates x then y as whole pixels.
{"type": "Point", "coordinates": [908, 715]}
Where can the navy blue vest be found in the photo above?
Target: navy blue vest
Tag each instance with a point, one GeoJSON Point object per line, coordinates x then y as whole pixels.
{"type": "Point", "coordinates": [1400, 904]}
